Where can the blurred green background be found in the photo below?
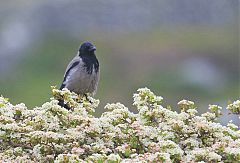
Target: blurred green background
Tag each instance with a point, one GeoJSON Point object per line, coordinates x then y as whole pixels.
{"type": "Point", "coordinates": [178, 49]}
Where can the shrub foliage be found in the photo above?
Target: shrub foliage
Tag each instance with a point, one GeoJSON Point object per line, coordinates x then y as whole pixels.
{"type": "Point", "coordinates": [51, 133]}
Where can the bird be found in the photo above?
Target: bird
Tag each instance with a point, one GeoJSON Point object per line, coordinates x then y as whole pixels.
{"type": "Point", "coordinates": [82, 73]}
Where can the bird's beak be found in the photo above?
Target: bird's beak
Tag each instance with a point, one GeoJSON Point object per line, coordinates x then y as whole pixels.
{"type": "Point", "coordinates": [93, 48]}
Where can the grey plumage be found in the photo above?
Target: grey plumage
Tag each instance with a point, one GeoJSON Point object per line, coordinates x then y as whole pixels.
{"type": "Point", "coordinates": [82, 73]}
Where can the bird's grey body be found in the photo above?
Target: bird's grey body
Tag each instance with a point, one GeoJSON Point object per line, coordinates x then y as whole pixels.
{"type": "Point", "coordinates": [79, 80]}
{"type": "Point", "coordinates": [82, 73]}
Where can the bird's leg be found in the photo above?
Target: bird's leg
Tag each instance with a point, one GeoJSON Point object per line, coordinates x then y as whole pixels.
{"type": "Point", "coordinates": [86, 96]}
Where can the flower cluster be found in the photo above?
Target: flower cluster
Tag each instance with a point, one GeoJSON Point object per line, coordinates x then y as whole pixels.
{"type": "Point", "coordinates": [51, 133]}
{"type": "Point", "coordinates": [234, 107]}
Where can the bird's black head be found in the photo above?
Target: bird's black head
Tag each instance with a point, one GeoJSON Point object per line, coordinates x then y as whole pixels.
{"type": "Point", "coordinates": [87, 48]}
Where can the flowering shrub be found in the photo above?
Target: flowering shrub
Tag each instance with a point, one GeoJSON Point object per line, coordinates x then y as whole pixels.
{"type": "Point", "coordinates": [155, 134]}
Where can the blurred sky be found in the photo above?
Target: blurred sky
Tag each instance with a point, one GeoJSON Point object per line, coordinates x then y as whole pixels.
{"type": "Point", "coordinates": [179, 49]}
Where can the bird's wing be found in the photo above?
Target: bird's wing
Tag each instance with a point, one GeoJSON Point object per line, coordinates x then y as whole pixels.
{"type": "Point", "coordinates": [75, 61]}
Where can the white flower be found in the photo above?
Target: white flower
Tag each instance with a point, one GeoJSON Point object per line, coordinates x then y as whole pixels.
{"type": "Point", "coordinates": [114, 157]}
{"type": "Point", "coordinates": [212, 156]}
{"type": "Point", "coordinates": [234, 107]}
{"type": "Point", "coordinates": [185, 105]}
{"type": "Point", "coordinates": [51, 133]}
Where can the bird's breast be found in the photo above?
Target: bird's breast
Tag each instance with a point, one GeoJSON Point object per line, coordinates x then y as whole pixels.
{"type": "Point", "coordinates": [82, 80]}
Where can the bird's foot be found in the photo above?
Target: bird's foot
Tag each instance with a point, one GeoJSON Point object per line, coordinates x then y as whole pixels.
{"type": "Point", "coordinates": [87, 97]}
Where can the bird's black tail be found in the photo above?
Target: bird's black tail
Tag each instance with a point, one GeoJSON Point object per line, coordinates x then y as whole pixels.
{"type": "Point", "coordinates": [62, 104]}
{"type": "Point", "coordinates": [61, 101]}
